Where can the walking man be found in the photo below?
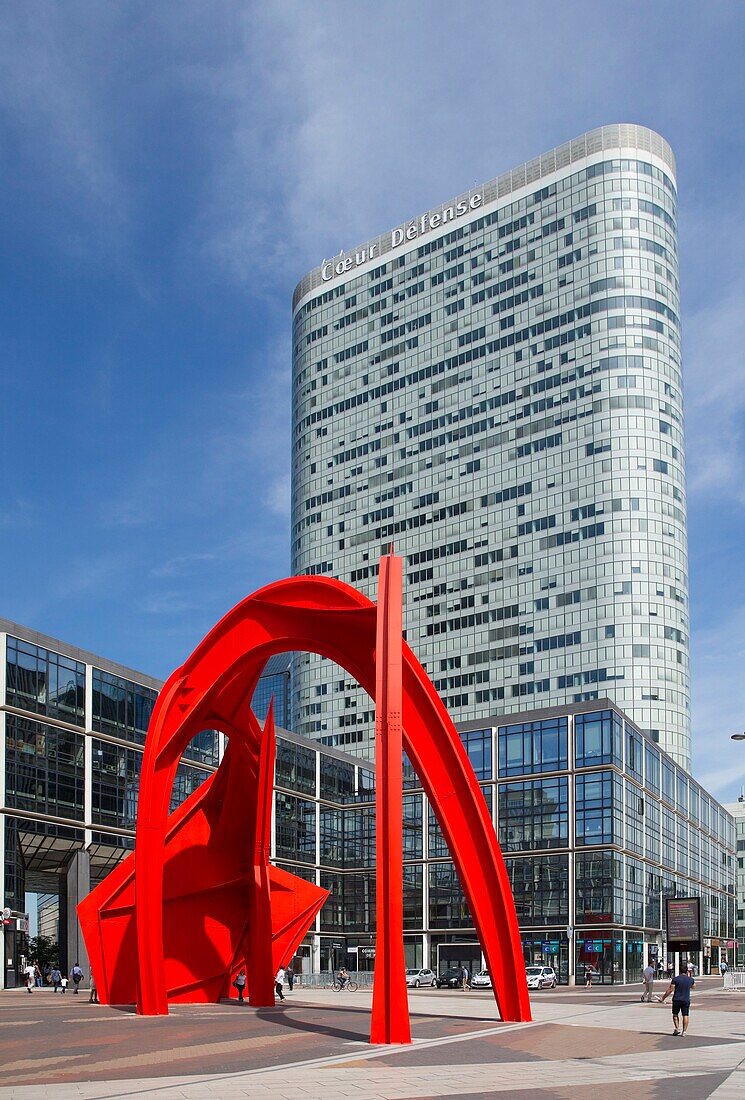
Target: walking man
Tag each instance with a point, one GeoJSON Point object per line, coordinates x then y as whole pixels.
{"type": "Point", "coordinates": [680, 987]}
{"type": "Point", "coordinates": [290, 973]}
{"type": "Point", "coordinates": [464, 977]}
{"type": "Point", "coordinates": [93, 999]}
{"type": "Point", "coordinates": [30, 973]}
{"type": "Point", "coordinates": [648, 979]}
{"type": "Point", "coordinates": [240, 985]}
{"type": "Point", "coordinates": [279, 980]}
{"type": "Point", "coordinates": [56, 977]}
{"type": "Point", "coordinates": [77, 976]}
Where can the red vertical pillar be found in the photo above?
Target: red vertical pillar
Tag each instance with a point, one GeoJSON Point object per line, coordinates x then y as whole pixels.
{"type": "Point", "coordinates": [390, 1004]}
{"type": "Point", "coordinates": [258, 953]}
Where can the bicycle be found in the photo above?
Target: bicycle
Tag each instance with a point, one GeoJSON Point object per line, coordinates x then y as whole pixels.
{"type": "Point", "coordinates": [350, 985]}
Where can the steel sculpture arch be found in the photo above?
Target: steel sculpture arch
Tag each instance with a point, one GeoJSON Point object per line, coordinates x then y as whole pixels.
{"type": "Point", "coordinates": [328, 617]}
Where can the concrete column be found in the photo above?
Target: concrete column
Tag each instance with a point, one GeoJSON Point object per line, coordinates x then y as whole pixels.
{"type": "Point", "coordinates": [78, 885]}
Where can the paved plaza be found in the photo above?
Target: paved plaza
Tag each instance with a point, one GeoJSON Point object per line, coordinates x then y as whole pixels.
{"type": "Point", "coordinates": [315, 1045]}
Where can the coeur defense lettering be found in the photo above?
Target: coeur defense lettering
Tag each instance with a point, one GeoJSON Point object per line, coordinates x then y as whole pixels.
{"type": "Point", "coordinates": [330, 268]}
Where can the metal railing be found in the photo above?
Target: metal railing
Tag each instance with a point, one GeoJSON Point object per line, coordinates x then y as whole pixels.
{"type": "Point", "coordinates": [363, 978]}
{"type": "Point", "coordinates": [734, 980]}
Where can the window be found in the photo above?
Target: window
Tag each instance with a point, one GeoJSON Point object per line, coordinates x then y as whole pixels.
{"type": "Point", "coordinates": [295, 828]}
{"type": "Point", "coordinates": [413, 898]}
{"type": "Point", "coordinates": [45, 682]}
{"type": "Point", "coordinates": [412, 824]}
{"type": "Point", "coordinates": [477, 744]}
{"type": "Point", "coordinates": [44, 768]}
{"type": "Point", "coordinates": [116, 783]}
{"type": "Point", "coordinates": [534, 814]}
{"type": "Point", "coordinates": [447, 902]}
{"type": "Point", "coordinates": [533, 747]}
{"type": "Point", "coordinates": [337, 779]}
{"type": "Point", "coordinates": [599, 739]}
{"type": "Point", "coordinates": [540, 887]}
{"type": "Point", "coordinates": [634, 753]}
{"type": "Point", "coordinates": [598, 887]}
{"type": "Point", "coordinates": [652, 768]}
{"type": "Point", "coordinates": [598, 808]}
{"type": "Point", "coordinates": [295, 767]}
{"type": "Point", "coordinates": [121, 708]}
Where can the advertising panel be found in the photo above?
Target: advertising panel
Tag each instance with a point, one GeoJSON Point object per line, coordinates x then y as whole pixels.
{"type": "Point", "coordinates": [683, 924]}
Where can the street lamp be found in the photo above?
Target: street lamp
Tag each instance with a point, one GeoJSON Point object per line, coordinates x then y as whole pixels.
{"type": "Point", "coordinates": [737, 736]}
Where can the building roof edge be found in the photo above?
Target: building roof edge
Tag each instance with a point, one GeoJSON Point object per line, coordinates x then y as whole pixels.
{"type": "Point", "coordinates": [617, 135]}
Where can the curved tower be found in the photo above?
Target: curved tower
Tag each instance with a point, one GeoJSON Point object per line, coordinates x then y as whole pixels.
{"type": "Point", "coordinates": [495, 386]}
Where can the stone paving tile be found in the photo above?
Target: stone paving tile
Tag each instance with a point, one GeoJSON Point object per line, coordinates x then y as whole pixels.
{"type": "Point", "coordinates": [572, 1050]}
{"type": "Point", "coordinates": [698, 1088]}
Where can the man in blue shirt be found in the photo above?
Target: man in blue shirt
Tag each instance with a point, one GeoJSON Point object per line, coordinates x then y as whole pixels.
{"type": "Point", "coordinates": [680, 987]}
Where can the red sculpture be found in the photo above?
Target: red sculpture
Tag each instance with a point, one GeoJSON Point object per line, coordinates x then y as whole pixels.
{"type": "Point", "coordinates": [217, 884]}
{"type": "Point", "coordinates": [202, 883]}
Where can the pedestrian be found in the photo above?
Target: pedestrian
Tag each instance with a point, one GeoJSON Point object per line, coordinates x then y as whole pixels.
{"type": "Point", "coordinates": [290, 974]}
{"type": "Point", "coordinates": [38, 977]}
{"type": "Point", "coordinates": [464, 977]}
{"type": "Point", "coordinates": [240, 985]}
{"type": "Point", "coordinates": [723, 968]}
{"type": "Point", "coordinates": [93, 999]}
{"type": "Point", "coordinates": [63, 983]}
{"type": "Point", "coordinates": [648, 979]}
{"type": "Point", "coordinates": [279, 979]}
{"type": "Point", "coordinates": [588, 976]}
{"type": "Point", "coordinates": [77, 976]}
{"type": "Point", "coordinates": [680, 987]}
{"type": "Point", "coordinates": [56, 977]}
{"type": "Point", "coordinates": [29, 976]}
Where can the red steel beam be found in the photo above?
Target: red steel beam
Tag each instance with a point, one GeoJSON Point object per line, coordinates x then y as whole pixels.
{"type": "Point", "coordinates": [390, 1004]}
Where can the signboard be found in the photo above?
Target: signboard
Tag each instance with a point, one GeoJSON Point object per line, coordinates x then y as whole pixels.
{"type": "Point", "coordinates": [683, 924]}
{"type": "Point", "coordinates": [368, 952]}
{"type": "Point", "coordinates": [336, 945]}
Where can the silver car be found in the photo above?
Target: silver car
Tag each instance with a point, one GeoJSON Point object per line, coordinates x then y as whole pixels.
{"type": "Point", "coordinates": [420, 977]}
{"type": "Point", "coordinates": [482, 980]}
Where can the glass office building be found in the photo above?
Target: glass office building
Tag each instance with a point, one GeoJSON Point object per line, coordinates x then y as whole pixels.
{"type": "Point", "coordinates": [495, 387]}
{"type": "Point", "coordinates": [274, 685]}
{"type": "Point", "coordinates": [737, 809]}
{"type": "Point", "coordinates": [597, 825]}
{"type": "Point", "coordinates": [72, 728]}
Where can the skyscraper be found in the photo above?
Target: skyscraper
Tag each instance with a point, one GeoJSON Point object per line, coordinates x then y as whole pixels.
{"type": "Point", "coordinates": [495, 387]}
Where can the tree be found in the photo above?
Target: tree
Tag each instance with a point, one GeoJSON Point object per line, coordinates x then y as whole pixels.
{"type": "Point", "coordinates": [43, 950]}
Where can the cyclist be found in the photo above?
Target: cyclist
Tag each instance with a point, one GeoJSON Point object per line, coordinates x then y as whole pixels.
{"type": "Point", "coordinates": [344, 977]}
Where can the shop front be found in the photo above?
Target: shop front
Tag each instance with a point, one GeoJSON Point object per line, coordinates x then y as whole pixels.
{"type": "Point", "coordinates": [548, 948]}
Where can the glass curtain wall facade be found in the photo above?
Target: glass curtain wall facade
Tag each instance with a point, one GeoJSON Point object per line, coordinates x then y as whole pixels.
{"type": "Point", "coordinates": [737, 809]}
{"type": "Point", "coordinates": [596, 824]}
{"type": "Point", "coordinates": [496, 388]}
{"type": "Point", "coordinates": [72, 728]}
{"type": "Point", "coordinates": [597, 827]}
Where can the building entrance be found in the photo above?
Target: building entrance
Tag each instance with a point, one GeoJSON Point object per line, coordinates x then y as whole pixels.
{"type": "Point", "coordinates": [450, 955]}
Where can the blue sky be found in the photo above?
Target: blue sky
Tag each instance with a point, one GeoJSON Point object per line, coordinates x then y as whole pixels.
{"type": "Point", "coordinates": [170, 170]}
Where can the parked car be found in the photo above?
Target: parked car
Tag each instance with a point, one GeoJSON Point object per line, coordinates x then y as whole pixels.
{"type": "Point", "coordinates": [541, 977]}
{"type": "Point", "coordinates": [482, 980]}
{"type": "Point", "coordinates": [450, 979]}
{"type": "Point", "coordinates": [420, 977]}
